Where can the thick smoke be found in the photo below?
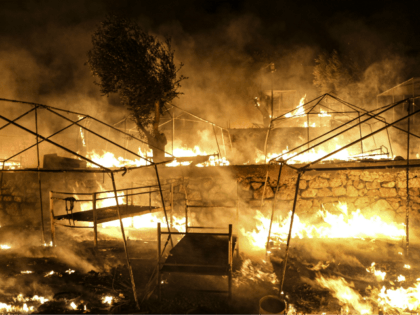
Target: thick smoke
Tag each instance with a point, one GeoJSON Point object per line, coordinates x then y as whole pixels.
{"type": "Point", "coordinates": [224, 47]}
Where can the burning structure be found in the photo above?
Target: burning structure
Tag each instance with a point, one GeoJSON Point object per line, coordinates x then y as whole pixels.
{"type": "Point", "coordinates": [347, 176]}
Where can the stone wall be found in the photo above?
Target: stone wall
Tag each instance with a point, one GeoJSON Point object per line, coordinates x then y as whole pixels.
{"type": "Point", "coordinates": [373, 192]}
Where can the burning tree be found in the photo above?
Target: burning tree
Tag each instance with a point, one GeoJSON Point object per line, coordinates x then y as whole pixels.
{"type": "Point", "coordinates": [141, 69]}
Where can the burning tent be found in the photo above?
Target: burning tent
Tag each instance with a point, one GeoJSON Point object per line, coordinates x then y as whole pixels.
{"type": "Point", "coordinates": [77, 158]}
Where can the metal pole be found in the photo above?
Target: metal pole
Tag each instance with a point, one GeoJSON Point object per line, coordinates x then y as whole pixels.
{"type": "Point", "coordinates": [307, 132]}
{"type": "Point", "coordinates": [39, 177]}
{"type": "Point", "coordinates": [266, 142]}
{"type": "Point", "coordinates": [407, 209]}
{"type": "Point", "coordinates": [133, 285]}
{"type": "Point", "coordinates": [173, 128]}
{"type": "Point", "coordinates": [223, 140]}
{"type": "Point", "coordinates": [267, 247]}
{"type": "Point", "coordinates": [360, 132]}
{"type": "Point", "coordinates": [163, 205]}
{"type": "Point", "coordinates": [214, 130]}
{"type": "Point", "coordinates": [159, 241]}
{"type": "Point", "coordinates": [290, 234]}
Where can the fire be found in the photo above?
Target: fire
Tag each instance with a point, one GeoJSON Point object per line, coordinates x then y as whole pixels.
{"type": "Point", "coordinates": [82, 135]}
{"type": "Point", "coordinates": [185, 152]}
{"type": "Point", "coordinates": [251, 271]}
{"type": "Point", "coordinates": [149, 220]}
{"type": "Point", "coordinates": [73, 305]}
{"type": "Point", "coordinates": [108, 202]}
{"type": "Point", "coordinates": [343, 225]}
{"type": "Point", "coordinates": [305, 125]}
{"type": "Point", "coordinates": [400, 298]}
{"type": "Point", "coordinates": [48, 274]}
{"type": "Point", "coordinates": [5, 247]}
{"type": "Point", "coordinates": [70, 271]}
{"type": "Point", "coordinates": [312, 155]}
{"type": "Point", "coordinates": [107, 299]}
{"type": "Point", "coordinates": [26, 272]}
{"type": "Point", "coordinates": [10, 308]}
{"type": "Point", "coordinates": [299, 111]}
{"type": "Point", "coordinates": [108, 159]}
{"type": "Point", "coordinates": [343, 291]}
{"type": "Point", "coordinates": [379, 274]}
{"type": "Point", "coordinates": [401, 278]}
{"type": "Point", "coordinates": [11, 165]}
{"type": "Point", "coordinates": [323, 113]}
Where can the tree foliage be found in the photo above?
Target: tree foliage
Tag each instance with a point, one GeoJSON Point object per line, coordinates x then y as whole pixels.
{"type": "Point", "coordinates": [136, 65]}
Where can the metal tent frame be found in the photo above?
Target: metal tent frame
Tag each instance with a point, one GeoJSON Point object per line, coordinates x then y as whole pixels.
{"type": "Point", "coordinates": [330, 105]}
{"type": "Point", "coordinates": [314, 165]}
{"type": "Point", "coordinates": [35, 107]}
{"type": "Point", "coordinates": [222, 137]}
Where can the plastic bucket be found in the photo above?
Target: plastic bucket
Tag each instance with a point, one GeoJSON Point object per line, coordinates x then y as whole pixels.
{"type": "Point", "coordinates": [272, 304]}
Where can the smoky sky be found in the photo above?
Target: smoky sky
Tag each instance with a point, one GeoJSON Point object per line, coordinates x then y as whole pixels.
{"type": "Point", "coordinates": [225, 46]}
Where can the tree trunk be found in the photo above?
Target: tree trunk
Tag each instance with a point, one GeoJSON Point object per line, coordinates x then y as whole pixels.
{"type": "Point", "coordinates": [156, 140]}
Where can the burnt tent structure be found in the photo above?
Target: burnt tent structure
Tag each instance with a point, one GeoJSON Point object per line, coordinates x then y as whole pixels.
{"type": "Point", "coordinates": [51, 132]}
{"type": "Point", "coordinates": [408, 138]}
{"type": "Point", "coordinates": [320, 118]}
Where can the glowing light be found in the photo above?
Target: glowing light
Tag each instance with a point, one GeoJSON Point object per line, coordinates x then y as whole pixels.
{"type": "Point", "coordinates": [73, 305]}
{"type": "Point", "coordinates": [379, 274]}
{"type": "Point", "coordinates": [407, 266]}
{"type": "Point", "coordinates": [26, 272]}
{"type": "Point", "coordinates": [49, 274]}
{"type": "Point", "coordinates": [343, 291]}
{"type": "Point", "coordinates": [343, 225]}
{"type": "Point", "coordinates": [5, 247]}
{"type": "Point", "coordinates": [299, 111]}
{"type": "Point", "coordinates": [107, 299]}
{"type": "Point", "coordinates": [401, 278]}
{"type": "Point", "coordinates": [323, 113]}
{"type": "Point", "coordinates": [70, 271]}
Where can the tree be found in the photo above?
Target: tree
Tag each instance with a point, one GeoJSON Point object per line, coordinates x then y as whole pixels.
{"type": "Point", "coordinates": [141, 69]}
{"type": "Point", "coordinates": [337, 75]}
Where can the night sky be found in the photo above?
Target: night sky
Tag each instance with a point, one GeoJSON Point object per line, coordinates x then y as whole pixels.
{"type": "Point", "coordinates": [223, 44]}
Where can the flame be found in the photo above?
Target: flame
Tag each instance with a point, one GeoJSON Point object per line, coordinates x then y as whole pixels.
{"type": "Point", "coordinates": [343, 225]}
{"type": "Point", "coordinates": [299, 111]}
{"type": "Point", "coordinates": [82, 135]}
{"type": "Point", "coordinates": [9, 308]}
{"type": "Point", "coordinates": [256, 273]}
{"type": "Point", "coordinates": [305, 125]}
{"type": "Point", "coordinates": [323, 113]}
{"type": "Point", "coordinates": [196, 151]}
{"type": "Point", "coordinates": [344, 292]}
{"type": "Point", "coordinates": [108, 159]}
{"type": "Point", "coordinates": [70, 271]}
{"type": "Point", "coordinates": [5, 247]}
{"type": "Point", "coordinates": [73, 305]}
{"type": "Point", "coordinates": [26, 272]}
{"type": "Point", "coordinates": [407, 267]}
{"type": "Point", "coordinates": [10, 165]}
{"type": "Point", "coordinates": [148, 220]}
{"type": "Point", "coordinates": [401, 278]}
{"type": "Point", "coordinates": [379, 274]}
{"type": "Point", "coordinates": [400, 298]}
{"type": "Point", "coordinates": [48, 274]}
{"type": "Point", "coordinates": [108, 202]}
{"type": "Point", "coordinates": [312, 155]}
{"type": "Point", "coordinates": [107, 299]}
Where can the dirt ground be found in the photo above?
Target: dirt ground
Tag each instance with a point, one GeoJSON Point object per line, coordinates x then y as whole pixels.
{"type": "Point", "coordinates": [76, 278]}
